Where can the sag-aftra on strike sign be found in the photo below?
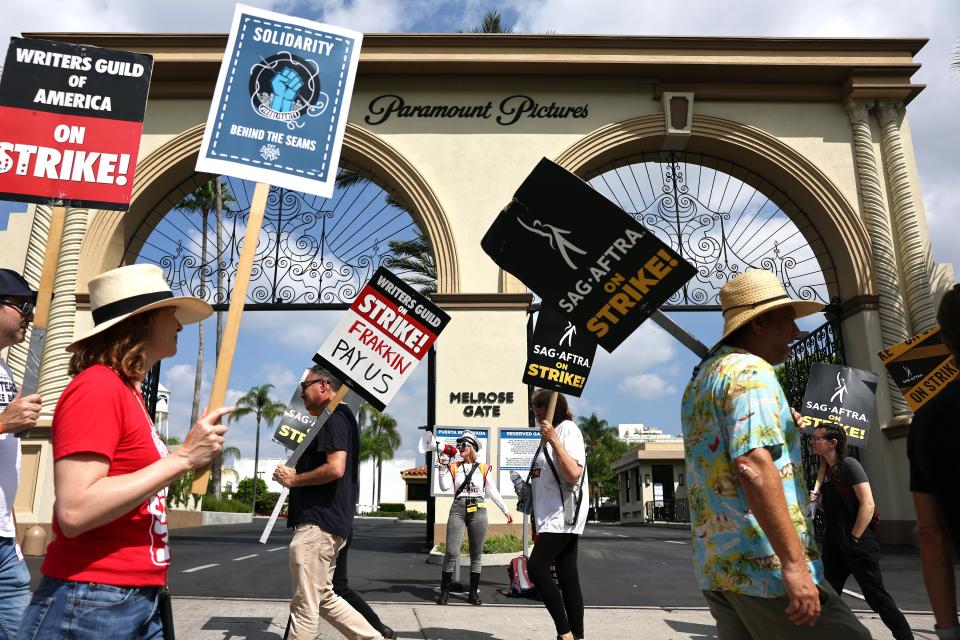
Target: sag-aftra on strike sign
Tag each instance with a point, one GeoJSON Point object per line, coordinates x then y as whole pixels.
{"type": "Point", "coordinates": [70, 123]}
{"type": "Point", "coordinates": [583, 255]}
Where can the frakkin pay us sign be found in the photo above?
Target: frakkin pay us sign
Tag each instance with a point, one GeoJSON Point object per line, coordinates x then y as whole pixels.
{"type": "Point", "coordinates": [70, 123]}
{"type": "Point", "coordinates": [281, 102]}
{"type": "Point", "coordinates": [388, 329]}
{"type": "Point", "coordinates": [560, 354]}
{"type": "Point", "coordinates": [583, 255]}
{"type": "Point", "coordinates": [844, 396]}
{"type": "Point", "coordinates": [922, 367]}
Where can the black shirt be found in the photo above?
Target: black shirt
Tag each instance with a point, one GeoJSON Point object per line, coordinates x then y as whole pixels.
{"type": "Point", "coordinates": [932, 446]}
{"type": "Point", "coordinates": [329, 506]}
{"type": "Point", "coordinates": [840, 510]}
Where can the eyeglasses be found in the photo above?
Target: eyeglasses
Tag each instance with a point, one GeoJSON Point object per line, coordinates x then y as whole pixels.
{"type": "Point", "coordinates": [819, 437]}
{"type": "Point", "coordinates": [307, 383]}
{"type": "Point", "coordinates": [25, 308]}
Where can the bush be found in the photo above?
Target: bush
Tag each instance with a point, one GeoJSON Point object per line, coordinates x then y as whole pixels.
{"type": "Point", "coordinates": [245, 490]}
{"type": "Point", "coordinates": [505, 543]}
{"type": "Point", "coordinates": [392, 507]}
{"type": "Point", "coordinates": [210, 503]}
{"type": "Point", "coordinates": [402, 515]}
{"type": "Point", "coordinates": [413, 514]}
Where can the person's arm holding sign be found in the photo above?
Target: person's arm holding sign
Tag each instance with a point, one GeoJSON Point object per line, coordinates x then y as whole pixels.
{"type": "Point", "coordinates": [567, 466]}
{"type": "Point", "coordinates": [330, 471]}
{"type": "Point", "coordinates": [21, 414]}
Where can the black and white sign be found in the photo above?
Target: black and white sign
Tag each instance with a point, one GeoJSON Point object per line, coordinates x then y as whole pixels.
{"type": "Point", "coordinates": [388, 329]}
{"type": "Point", "coordinates": [583, 255]}
{"type": "Point", "coordinates": [560, 354]}
{"type": "Point", "coordinates": [517, 448]}
{"type": "Point", "coordinates": [844, 396]}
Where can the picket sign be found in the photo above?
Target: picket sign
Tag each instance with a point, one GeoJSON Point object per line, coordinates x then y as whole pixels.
{"type": "Point", "coordinates": [298, 453]}
{"type": "Point", "coordinates": [228, 343]}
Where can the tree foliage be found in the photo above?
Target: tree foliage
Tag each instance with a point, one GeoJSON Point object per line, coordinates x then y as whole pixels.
{"type": "Point", "coordinates": [245, 490]}
{"type": "Point", "coordinates": [258, 403]}
{"type": "Point", "coordinates": [603, 449]}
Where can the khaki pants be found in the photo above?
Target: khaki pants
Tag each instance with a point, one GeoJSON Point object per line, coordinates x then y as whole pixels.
{"type": "Point", "coordinates": [313, 559]}
{"type": "Point", "coordinates": [741, 617]}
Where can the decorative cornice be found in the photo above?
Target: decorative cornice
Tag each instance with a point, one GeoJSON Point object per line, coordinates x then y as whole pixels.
{"type": "Point", "coordinates": [186, 65]}
{"type": "Point", "coordinates": [859, 304]}
{"type": "Point", "coordinates": [483, 301]}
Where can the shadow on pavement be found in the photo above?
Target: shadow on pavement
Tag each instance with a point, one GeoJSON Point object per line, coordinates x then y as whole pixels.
{"type": "Point", "coordinates": [440, 633]}
{"type": "Point", "coordinates": [694, 630]}
{"type": "Point", "coordinates": [242, 628]}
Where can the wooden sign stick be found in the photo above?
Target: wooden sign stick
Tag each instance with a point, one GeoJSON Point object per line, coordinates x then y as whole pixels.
{"type": "Point", "coordinates": [821, 472]}
{"type": "Point", "coordinates": [237, 300]}
{"type": "Point", "coordinates": [41, 315]}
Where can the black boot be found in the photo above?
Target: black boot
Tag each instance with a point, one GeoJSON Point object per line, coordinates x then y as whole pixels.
{"type": "Point", "coordinates": [474, 597]}
{"type": "Point", "coordinates": [387, 632]}
{"type": "Point", "coordinates": [445, 579]}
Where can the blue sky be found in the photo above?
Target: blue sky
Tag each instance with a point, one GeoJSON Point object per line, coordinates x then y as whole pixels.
{"type": "Point", "coordinates": [643, 380]}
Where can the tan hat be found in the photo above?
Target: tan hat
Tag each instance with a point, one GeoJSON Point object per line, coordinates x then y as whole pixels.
{"type": "Point", "coordinates": [753, 293]}
{"type": "Point", "coordinates": [126, 291]}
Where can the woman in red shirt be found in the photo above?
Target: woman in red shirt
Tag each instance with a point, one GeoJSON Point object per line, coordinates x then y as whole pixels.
{"type": "Point", "coordinates": [104, 570]}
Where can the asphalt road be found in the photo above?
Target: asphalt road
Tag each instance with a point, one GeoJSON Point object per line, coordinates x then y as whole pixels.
{"type": "Point", "coordinates": [619, 566]}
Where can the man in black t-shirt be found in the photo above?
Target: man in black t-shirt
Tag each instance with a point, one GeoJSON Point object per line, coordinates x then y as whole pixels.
{"type": "Point", "coordinates": [323, 492]}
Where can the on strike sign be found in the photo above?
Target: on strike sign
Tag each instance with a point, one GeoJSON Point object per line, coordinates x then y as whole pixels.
{"type": "Point", "coordinates": [560, 354]}
{"type": "Point", "coordinates": [383, 336]}
{"type": "Point", "coordinates": [843, 396]}
{"type": "Point", "coordinates": [70, 123]}
{"type": "Point", "coordinates": [583, 255]}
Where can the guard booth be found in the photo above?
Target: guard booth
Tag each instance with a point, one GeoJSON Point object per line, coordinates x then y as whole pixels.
{"type": "Point", "coordinates": [792, 155]}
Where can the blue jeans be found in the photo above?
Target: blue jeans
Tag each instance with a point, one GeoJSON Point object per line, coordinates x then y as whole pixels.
{"type": "Point", "coordinates": [14, 589]}
{"type": "Point", "coordinates": [61, 609]}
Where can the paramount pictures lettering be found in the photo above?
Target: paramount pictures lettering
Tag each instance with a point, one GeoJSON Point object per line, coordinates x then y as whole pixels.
{"type": "Point", "coordinates": [509, 111]}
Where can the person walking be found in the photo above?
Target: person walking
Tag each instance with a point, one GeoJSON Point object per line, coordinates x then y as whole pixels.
{"type": "Point", "coordinates": [323, 493]}
{"type": "Point", "coordinates": [849, 545]}
{"type": "Point", "coordinates": [341, 587]}
{"type": "Point", "coordinates": [754, 553]}
{"type": "Point", "coordinates": [17, 414]}
{"type": "Point", "coordinates": [560, 505]}
{"type": "Point", "coordinates": [467, 512]}
{"type": "Point", "coordinates": [932, 443]}
{"type": "Point", "coordinates": [104, 570]}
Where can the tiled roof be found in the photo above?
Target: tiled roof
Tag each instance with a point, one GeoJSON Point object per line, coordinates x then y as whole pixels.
{"type": "Point", "coordinates": [416, 472]}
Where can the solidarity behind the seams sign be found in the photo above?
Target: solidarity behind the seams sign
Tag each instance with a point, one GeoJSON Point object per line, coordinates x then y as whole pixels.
{"type": "Point", "coordinates": [583, 255]}
{"type": "Point", "coordinates": [382, 337]}
{"type": "Point", "coordinates": [280, 106]}
{"type": "Point", "coordinates": [71, 117]}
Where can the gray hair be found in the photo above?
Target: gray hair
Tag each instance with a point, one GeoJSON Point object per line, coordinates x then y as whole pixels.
{"type": "Point", "coordinates": [320, 372]}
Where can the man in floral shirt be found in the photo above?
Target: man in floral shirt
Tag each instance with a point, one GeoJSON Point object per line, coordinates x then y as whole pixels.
{"type": "Point", "coordinates": [754, 552]}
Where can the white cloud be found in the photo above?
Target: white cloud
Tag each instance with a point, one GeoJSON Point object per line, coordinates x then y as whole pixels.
{"type": "Point", "coordinates": [647, 386]}
{"type": "Point", "coordinates": [647, 347]}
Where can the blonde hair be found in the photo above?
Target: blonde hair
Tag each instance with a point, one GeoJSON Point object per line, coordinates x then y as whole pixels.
{"type": "Point", "coordinates": [122, 347]}
{"type": "Point", "coordinates": [562, 411]}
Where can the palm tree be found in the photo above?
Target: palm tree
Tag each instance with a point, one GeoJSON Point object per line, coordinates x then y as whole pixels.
{"type": "Point", "coordinates": [257, 401]}
{"type": "Point", "coordinates": [492, 23]}
{"type": "Point", "coordinates": [603, 448]}
{"type": "Point", "coordinates": [379, 443]}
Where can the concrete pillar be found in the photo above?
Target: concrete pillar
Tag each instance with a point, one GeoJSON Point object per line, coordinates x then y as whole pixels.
{"type": "Point", "coordinates": [913, 250]}
{"type": "Point", "coordinates": [894, 326]}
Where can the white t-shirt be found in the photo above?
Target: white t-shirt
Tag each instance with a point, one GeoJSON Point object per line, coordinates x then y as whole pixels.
{"type": "Point", "coordinates": [9, 457]}
{"type": "Point", "coordinates": [547, 503]}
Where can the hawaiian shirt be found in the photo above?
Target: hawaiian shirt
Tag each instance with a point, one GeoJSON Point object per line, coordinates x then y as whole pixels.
{"type": "Point", "coordinates": [734, 404]}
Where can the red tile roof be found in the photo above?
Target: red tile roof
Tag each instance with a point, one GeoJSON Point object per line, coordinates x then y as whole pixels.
{"type": "Point", "coordinates": [416, 472]}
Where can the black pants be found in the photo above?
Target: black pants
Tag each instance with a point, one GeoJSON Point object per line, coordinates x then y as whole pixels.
{"type": "Point", "coordinates": [342, 589]}
{"type": "Point", "coordinates": [566, 603]}
{"type": "Point", "coordinates": [842, 556]}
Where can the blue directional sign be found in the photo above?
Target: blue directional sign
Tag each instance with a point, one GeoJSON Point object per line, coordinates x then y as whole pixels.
{"type": "Point", "coordinates": [281, 102]}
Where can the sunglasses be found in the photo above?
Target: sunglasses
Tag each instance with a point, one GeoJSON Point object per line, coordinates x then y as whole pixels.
{"type": "Point", "coordinates": [307, 383]}
{"type": "Point", "coordinates": [461, 446]}
{"type": "Point", "coordinates": [25, 308]}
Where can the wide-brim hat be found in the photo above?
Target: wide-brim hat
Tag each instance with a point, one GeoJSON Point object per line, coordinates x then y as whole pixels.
{"type": "Point", "coordinates": [127, 291]}
{"type": "Point", "coordinates": [753, 293]}
{"type": "Point", "coordinates": [469, 438]}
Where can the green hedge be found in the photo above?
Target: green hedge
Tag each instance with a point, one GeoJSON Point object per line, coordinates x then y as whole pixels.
{"type": "Point", "coordinates": [403, 515]}
{"type": "Point", "coordinates": [392, 507]}
{"type": "Point", "coordinates": [505, 543]}
{"type": "Point", "coordinates": [229, 506]}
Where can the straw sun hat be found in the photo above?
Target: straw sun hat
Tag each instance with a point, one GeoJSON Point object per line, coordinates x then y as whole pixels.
{"type": "Point", "coordinates": [753, 293]}
{"type": "Point", "coordinates": [127, 291]}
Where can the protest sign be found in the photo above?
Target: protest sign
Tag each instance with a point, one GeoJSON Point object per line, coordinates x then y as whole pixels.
{"type": "Point", "coordinates": [921, 366]}
{"type": "Point", "coordinates": [296, 423]}
{"type": "Point", "coordinates": [70, 123]}
{"type": "Point", "coordinates": [388, 329]}
{"type": "Point", "coordinates": [843, 396]}
{"type": "Point", "coordinates": [583, 255]}
{"type": "Point", "coordinates": [281, 103]}
{"type": "Point", "coordinates": [560, 354]}
{"type": "Point", "coordinates": [516, 448]}
{"type": "Point", "coordinates": [449, 435]}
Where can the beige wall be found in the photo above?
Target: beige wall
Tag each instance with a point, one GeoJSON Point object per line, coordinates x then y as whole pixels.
{"type": "Point", "coordinates": [632, 509]}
